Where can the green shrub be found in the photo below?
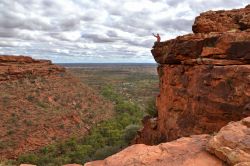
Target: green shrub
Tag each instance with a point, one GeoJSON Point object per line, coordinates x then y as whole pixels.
{"type": "Point", "coordinates": [109, 93]}
{"type": "Point", "coordinates": [127, 106]}
{"type": "Point", "coordinates": [2, 144]}
{"type": "Point", "coordinates": [28, 158]}
{"type": "Point", "coordinates": [151, 108]}
{"type": "Point", "coordinates": [106, 151]}
{"type": "Point", "coordinates": [28, 122]}
{"type": "Point", "coordinates": [130, 132]}
{"type": "Point", "coordinates": [30, 98]}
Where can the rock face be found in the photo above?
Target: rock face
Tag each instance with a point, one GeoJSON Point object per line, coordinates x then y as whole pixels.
{"type": "Point", "coordinates": [189, 151]}
{"type": "Point", "coordinates": [232, 143]}
{"type": "Point", "coordinates": [222, 21]}
{"type": "Point", "coordinates": [204, 78]}
{"type": "Point", "coordinates": [213, 48]}
{"type": "Point", "coordinates": [15, 67]}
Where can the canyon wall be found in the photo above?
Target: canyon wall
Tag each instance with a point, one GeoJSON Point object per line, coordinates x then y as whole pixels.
{"type": "Point", "coordinates": [204, 78]}
{"type": "Point", "coordinates": [16, 67]}
{"type": "Point", "coordinates": [41, 103]}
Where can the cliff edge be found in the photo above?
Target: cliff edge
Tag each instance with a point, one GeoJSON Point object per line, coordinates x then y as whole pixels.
{"type": "Point", "coordinates": [16, 67]}
{"type": "Point", "coordinates": [204, 78]}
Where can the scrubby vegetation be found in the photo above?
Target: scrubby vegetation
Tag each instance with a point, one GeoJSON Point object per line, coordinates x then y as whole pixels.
{"type": "Point", "coordinates": [151, 108]}
{"type": "Point", "coordinates": [38, 111]}
{"type": "Point", "coordinates": [105, 139]}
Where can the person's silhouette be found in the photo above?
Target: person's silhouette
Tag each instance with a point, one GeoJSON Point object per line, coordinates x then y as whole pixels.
{"type": "Point", "coordinates": [157, 37]}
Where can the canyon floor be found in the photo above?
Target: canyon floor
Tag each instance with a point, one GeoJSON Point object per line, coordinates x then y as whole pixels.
{"type": "Point", "coordinates": [136, 82]}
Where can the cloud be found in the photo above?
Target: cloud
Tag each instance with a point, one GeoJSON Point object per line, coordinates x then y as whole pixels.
{"type": "Point", "coordinates": [97, 31]}
{"type": "Point", "coordinates": [97, 38]}
{"type": "Point", "coordinates": [176, 24]}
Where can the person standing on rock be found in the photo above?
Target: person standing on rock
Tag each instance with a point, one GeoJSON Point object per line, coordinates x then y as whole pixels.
{"type": "Point", "coordinates": [157, 37]}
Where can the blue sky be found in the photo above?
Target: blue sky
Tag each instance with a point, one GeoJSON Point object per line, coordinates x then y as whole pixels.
{"type": "Point", "coordinates": [100, 31]}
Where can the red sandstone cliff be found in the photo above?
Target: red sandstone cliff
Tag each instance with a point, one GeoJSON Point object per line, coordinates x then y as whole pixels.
{"type": "Point", "coordinates": [15, 67]}
{"type": "Point", "coordinates": [204, 78]}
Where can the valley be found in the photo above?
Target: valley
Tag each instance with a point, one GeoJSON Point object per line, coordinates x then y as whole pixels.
{"type": "Point", "coordinates": [130, 89]}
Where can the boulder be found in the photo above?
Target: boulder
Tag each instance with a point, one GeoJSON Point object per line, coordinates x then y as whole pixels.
{"type": "Point", "coordinates": [232, 143]}
{"type": "Point", "coordinates": [222, 21]}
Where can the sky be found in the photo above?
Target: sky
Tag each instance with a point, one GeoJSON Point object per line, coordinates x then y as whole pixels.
{"type": "Point", "coordinates": [97, 31]}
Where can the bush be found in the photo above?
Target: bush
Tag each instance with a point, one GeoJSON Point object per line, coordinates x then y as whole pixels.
{"type": "Point", "coordinates": [102, 153]}
{"type": "Point", "coordinates": [109, 93]}
{"type": "Point", "coordinates": [28, 158]}
{"type": "Point", "coordinates": [127, 106]}
{"type": "Point", "coordinates": [130, 132]}
{"type": "Point", "coordinates": [151, 108]}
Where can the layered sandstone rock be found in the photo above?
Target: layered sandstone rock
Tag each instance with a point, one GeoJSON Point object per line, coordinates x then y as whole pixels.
{"type": "Point", "coordinates": [187, 151]}
{"type": "Point", "coordinates": [232, 143]}
{"type": "Point", "coordinates": [213, 48]}
{"type": "Point", "coordinates": [15, 67]}
{"type": "Point", "coordinates": [222, 21]}
{"type": "Point", "coordinates": [204, 79]}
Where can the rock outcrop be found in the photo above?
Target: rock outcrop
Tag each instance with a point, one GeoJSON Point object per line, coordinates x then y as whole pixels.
{"type": "Point", "coordinates": [16, 67]}
{"type": "Point", "coordinates": [222, 21]}
{"type": "Point", "coordinates": [228, 48]}
{"type": "Point", "coordinates": [204, 78]}
{"type": "Point", "coordinates": [189, 151]}
{"type": "Point", "coordinates": [232, 143]}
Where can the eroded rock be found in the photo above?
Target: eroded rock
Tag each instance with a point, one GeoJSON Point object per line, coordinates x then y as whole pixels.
{"type": "Point", "coordinates": [222, 21]}
{"type": "Point", "coordinates": [213, 48]}
{"type": "Point", "coordinates": [187, 151]}
{"type": "Point", "coordinates": [232, 143]}
{"type": "Point", "coordinates": [16, 67]}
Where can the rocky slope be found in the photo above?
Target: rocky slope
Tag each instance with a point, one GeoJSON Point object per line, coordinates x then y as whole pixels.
{"type": "Point", "coordinates": [204, 78]}
{"type": "Point", "coordinates": [41, 103]}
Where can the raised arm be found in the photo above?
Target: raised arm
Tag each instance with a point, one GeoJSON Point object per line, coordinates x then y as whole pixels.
{"type": "Point", "coordinates": [153, 34]}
